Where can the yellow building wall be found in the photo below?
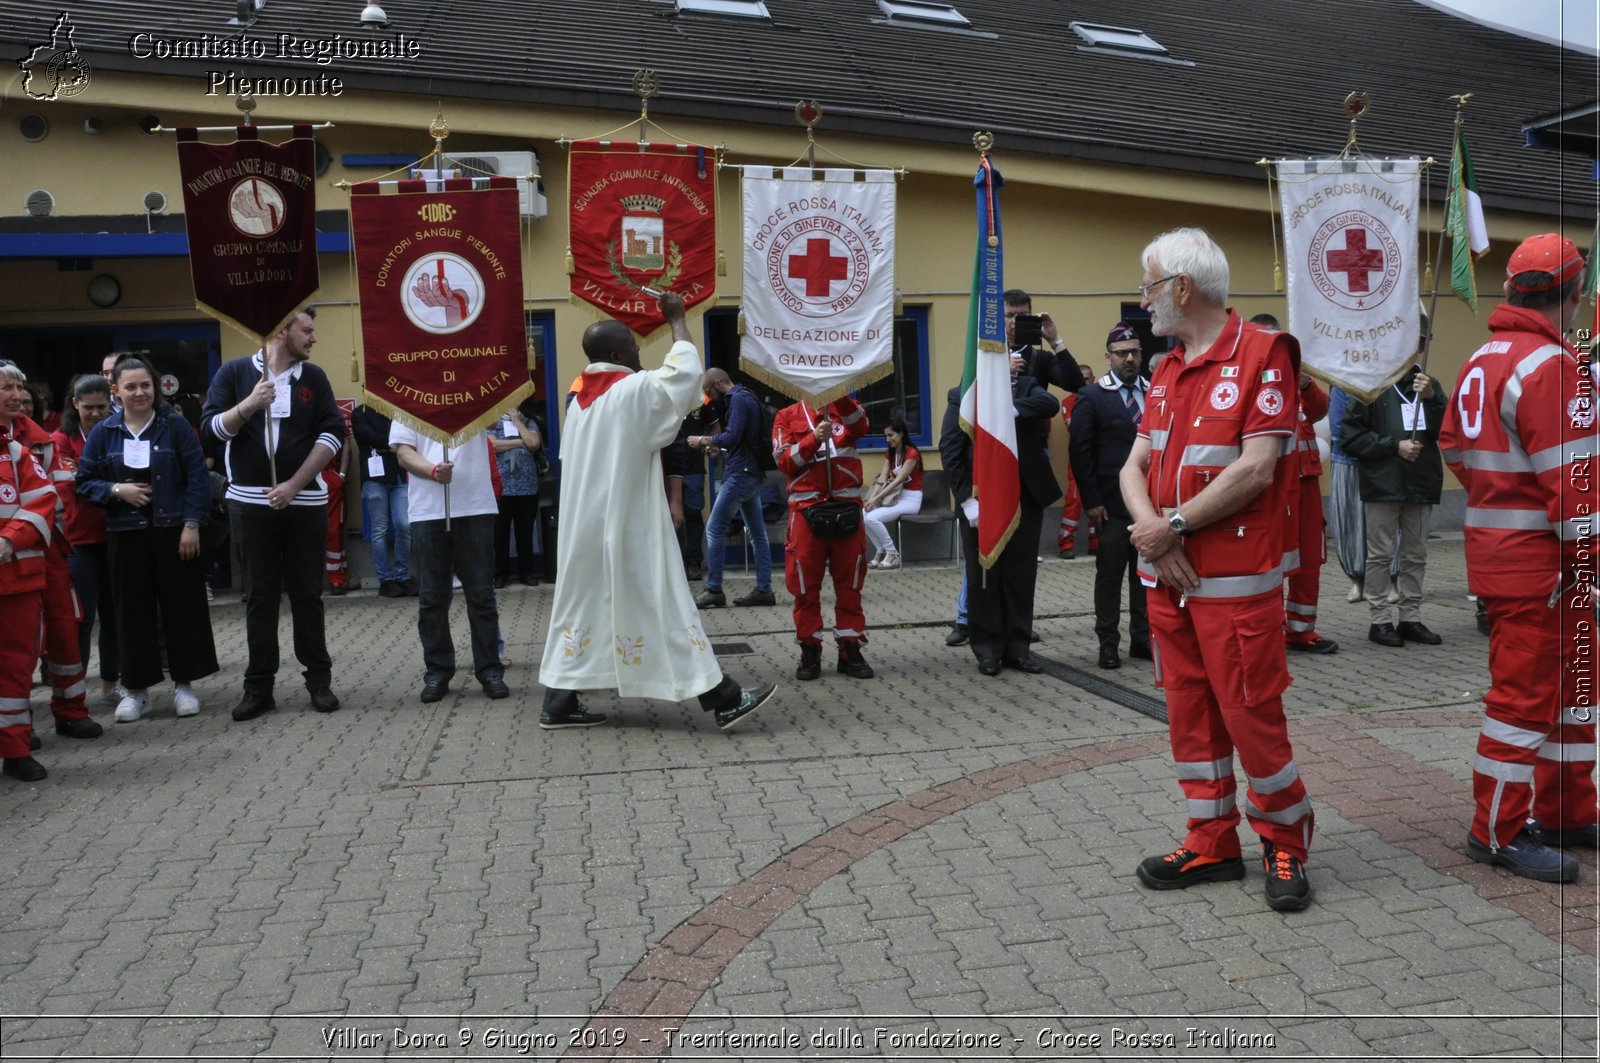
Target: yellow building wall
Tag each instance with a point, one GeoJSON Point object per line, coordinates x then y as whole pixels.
{"type": "Point", "coordinates": [1074, 230]}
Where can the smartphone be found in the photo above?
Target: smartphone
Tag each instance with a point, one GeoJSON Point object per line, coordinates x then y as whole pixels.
{"type": "Point", "coordinates": [1028, 330]}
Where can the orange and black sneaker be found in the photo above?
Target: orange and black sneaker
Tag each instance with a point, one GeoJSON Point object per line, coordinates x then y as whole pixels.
{"type": "Point", "coordinates": [1184, 868]}
{"type": "Point", "coordinates": [1287, 888]}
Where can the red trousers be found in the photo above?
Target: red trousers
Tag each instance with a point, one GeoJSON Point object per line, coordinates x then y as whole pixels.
{"type": "Point", "coordinates": [1223, 667]}
{"type": "Point", "coordinates": [1536, 748]}
{"type": "Point", "coordinates": [19, 652]}
{"type": "Point", "coordinates": [333, 552]}
{"type": "Point", "coordinates": [1300, 612]}
{"type": "Point", "coordinates": [62, 658]}
{"type": "Point", "coordinates": [805, 558]}
{"type": "Point", "coordinates": [1071, 514]}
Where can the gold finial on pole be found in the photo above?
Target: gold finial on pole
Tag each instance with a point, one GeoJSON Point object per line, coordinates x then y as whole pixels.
{"type": "Point", "coordinates": [439, 129]}
{"type": "Point", "coordinates": [1356, 105]}
{"type": "Point", "coordinates": [646, 84]}
{"type": "Point", "coordinates": [983, 141]}
{"type": "Point", "coordinates": [808, 113]}
{"type": "Point", "coordinates": [245, 102]}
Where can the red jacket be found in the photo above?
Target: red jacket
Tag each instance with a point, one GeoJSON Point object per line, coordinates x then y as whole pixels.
{"type": "Point", "coordinates": [86, 522]}
{"type": "Point", "coordinates": [801, 457]}
{"type": "Point", "coordinates": [1519, 434]}
{"type": "Point", "coordinates": [27, 509]}
{"type": "Point", "coordinates": [1197, 417]}
{"type": "Point", "coordinates": [1313, 408]}
{"type": "Point", "coordinates": [63, 476]}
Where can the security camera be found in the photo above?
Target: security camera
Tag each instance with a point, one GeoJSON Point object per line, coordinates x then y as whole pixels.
{"type": "Point", "coordinates": [374, 18]}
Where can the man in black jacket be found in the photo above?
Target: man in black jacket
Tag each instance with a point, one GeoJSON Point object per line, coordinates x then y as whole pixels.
{"type": "Point", "coordinates": [276, 414]}
{"type": "Point", "coordinates": [1000, 599]}
{"type": "Point", "coordinates": [1105, 420]}
{"type": "Point", "coordinates": [1054, 366]}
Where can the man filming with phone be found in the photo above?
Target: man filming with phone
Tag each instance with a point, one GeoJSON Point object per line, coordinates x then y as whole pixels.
{"type": "Point", "coordinates": [1025, 330]}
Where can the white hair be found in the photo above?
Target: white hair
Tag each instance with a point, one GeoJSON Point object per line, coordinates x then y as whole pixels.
{"type": "Point", "coordinates": [1193, 253]}
{"type": "Point", "coordinates": [13, 371]}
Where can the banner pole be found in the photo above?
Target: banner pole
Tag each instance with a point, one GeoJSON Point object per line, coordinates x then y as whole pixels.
{"type": "Point", "coordinates": [447, 493]}
{"type": "Point", "coordinates": [272, 453]}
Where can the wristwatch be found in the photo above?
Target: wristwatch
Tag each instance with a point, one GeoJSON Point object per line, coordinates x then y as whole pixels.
{"type": "Point", "coordinates": [1178, 524]}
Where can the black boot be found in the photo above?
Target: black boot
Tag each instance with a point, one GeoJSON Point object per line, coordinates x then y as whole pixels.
{"type": "Point", "coordinates": [810, 661]}
{"type": "Point", "coordinates": [851, 662]}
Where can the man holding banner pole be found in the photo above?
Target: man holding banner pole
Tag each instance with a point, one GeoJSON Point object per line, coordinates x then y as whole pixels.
{"type": "Point", "coordinates": [276, 408]}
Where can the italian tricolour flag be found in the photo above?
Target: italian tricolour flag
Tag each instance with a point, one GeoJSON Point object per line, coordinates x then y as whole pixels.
{"type": "Point", "coordinates": [986, 411]}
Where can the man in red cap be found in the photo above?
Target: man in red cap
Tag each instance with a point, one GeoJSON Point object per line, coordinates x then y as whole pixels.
{"type": "Point", "coordinates": [1520, 436]}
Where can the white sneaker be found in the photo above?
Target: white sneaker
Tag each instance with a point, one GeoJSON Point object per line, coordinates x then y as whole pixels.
{"type": "Point", "coordinates": [132, 706]}
{"type": "Point", "coordinates": [1357, 592]}
{"type": "Point", "coordinates": [113, 696]}
{"type": "Point", "coordinates": [183, 700]}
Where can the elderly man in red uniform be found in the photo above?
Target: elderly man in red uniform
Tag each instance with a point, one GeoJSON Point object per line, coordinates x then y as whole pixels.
{"type": "Point", "coordinates": [27, 508]}
{"type": "Point", "coordinates": [816, 450]}
{"type": "Point", "coordinates": [1520, 436]}
{"type": "Point", "coordinates": [1207, 484]}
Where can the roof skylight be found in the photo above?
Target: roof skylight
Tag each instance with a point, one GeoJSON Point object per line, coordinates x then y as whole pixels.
{"type": "Point", "coordinates": [738, 8]}
{"type": "Point", "coordinates": [923, 11]}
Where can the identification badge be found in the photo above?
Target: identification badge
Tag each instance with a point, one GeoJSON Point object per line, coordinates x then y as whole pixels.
{"type": "Point", "coordinates": [508, 428]}
{"type": "Point", "coordinates": [280, 400]}
{"type": "Point", "coordinates": [136, 453]}
{"type": "Point", "coordinates": [1413, 417]}
{"type": "Point", "coordinates": [374, 465]}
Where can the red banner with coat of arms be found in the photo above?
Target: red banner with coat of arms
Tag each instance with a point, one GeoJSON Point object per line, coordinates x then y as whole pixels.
{"type": "Point", "coordinates": [251, 212]}
{"type": "Point", "coordinates": [439, 271]}
{"type": "Point", "coordinates": [642, 216]}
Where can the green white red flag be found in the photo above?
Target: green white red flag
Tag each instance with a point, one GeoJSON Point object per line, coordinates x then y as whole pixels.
{"type": "Point", "coordinates": [1469, 236]}
{"type": "Point", "coordinates": [986, 410]}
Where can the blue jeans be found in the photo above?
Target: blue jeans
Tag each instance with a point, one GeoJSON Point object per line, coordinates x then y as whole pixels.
{"type": "Point", "coordinates": [961, 599]}
{"type": "Point", "coordinates": [741, 491]}
{"type": "Point", "coordinates": [386, 511]}
{"type": "Point", "coordinates": [466, 550]}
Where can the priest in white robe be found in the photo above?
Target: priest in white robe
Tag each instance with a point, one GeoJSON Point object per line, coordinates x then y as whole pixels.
{"type": "Point", "coordinates": [623, 618]}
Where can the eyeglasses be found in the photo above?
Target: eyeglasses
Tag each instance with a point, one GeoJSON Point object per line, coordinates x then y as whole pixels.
{"type": "Point", "coordinates": [1146, 289]}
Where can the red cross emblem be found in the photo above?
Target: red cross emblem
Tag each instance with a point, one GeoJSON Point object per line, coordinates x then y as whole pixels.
{"type": "Point", "coordinates": [819, 267]}
{"type": "Point", "coordinates": [1356, 261]}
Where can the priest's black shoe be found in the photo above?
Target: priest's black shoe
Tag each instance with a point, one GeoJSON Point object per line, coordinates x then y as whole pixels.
{"type": "Point", "coordinates": [749, 702]}
{"type": "Point", "coordinates": [1109, 657]}
{"type": "Point", "coordinates": [1385, 635]}
{"type": "Point", "coordinates": [1417, 631]}
{"type": "Point", "coordinates": [496, 688]}
{"type": "Point", "coordinates": [989, 665]}
{"type": "Point", "coordinates": [434, 690]}
{"type": "Point", "coordinates": [1026, 663]}
{"type": "Point", "coordinates": [24, 768]}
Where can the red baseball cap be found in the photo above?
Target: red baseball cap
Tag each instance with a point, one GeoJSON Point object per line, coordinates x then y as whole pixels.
{"type": "Point", "coordinates": [1549, 253]}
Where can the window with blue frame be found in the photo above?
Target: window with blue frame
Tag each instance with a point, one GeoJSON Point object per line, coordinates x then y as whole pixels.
{"type": "Point", "coordinates": [904, 392]}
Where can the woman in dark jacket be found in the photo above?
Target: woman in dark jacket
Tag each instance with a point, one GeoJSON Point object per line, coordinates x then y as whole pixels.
{"type": "Point", "coordinates": [143, 463]}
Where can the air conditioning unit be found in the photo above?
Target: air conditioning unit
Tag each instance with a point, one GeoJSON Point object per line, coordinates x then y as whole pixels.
{"type": "Point", "coordinates": [507, 164]}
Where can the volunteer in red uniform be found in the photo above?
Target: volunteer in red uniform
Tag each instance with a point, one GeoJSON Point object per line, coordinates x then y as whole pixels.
{"type": "Point", "coordinates": [334, 561]}
{"type": "Point", "coordinates": [63, 662]}
{"type": "Point", "coordinates": [1308, 539]}
{"type": "Point", "coordinates": [1072, 498]}
{"type": "Point", "coordinates": [27, 508]}
{"type": "Point", "coordinates": [816, 450]}
{"type": "Point", "coordinates": [1207, 484]}
{"type": "Point", "coordinates": [1520, 436]}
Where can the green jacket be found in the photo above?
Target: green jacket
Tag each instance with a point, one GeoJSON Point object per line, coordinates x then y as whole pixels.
{"type": "Point", "coordinates": [1371, 433]}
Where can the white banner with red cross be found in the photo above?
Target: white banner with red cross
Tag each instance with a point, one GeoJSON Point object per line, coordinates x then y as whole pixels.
{"type": "Point", "coordinates": [1351, 258]}
{"type": "Point", "coordinates": [818, 279]}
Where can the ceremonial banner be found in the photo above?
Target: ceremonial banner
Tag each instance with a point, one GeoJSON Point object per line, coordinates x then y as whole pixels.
{"type": "Point", "coordinates": [439, 272]}
{"type": "Point", "coordinates": [1469, 236]}
{"type": "Point", "coordinates": [1350, 245]}
{"type": "Point", "coordinates": [642, 216]}
{"type": "Point", "coordinates": [250, 209]}
{"type": "Point", "coordinates": [986, 412]}
{"type": "Point", "coordinates": [818, 279]}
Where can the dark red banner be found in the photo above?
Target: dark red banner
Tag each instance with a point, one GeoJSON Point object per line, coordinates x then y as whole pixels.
{"type": "Point", "coordinates": [440, 279]}
{"type": "Point", "coordinates": [642, 216]}
{"type": "Point", "coordinates": [251, 211]}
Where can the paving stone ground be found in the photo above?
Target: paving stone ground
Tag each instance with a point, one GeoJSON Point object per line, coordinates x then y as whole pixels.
{"type": "Point", "coordinates": [929, 864]}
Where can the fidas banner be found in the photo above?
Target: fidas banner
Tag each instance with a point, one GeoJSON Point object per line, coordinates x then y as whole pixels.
{"type": "Point", "coordinates": [642, 216]}
{"type": "Point", "coordinates": [251, 212]}
{"type": "Point", "coordinates": [1350, 253]}
{"type": "Point", "coordinates": [818, 279]}
{"type": "Point", "coordinates": [439, 271]}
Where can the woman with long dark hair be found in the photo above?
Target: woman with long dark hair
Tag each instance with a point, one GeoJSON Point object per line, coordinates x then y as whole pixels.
{"type": "Point", "coordinates": [896, 493]}
{"type": "Point", "coordinates": [89, 403]}
{"type": "Point", "coordinates": [144, 464]}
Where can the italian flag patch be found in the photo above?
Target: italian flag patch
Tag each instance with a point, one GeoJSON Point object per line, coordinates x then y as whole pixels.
{"type": "Point", "coordinates": [1271, 376]}
{"type": "Point", "coordinates": [1230, 370]}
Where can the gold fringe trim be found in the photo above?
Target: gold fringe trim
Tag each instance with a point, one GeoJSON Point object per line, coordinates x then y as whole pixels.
{"type": "Point", "coordinates": [421, 427]}
{"type": "Point", "coordinates": [1365, 396]}
{"type": "Point", "coordinates": [691, 315]}
{"type": "Point", "coordinates": [260, 338]}
{"type": "Point", "coordinates": [988, 560]}
{"type": "Point", "coordinates": [816, 398]}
